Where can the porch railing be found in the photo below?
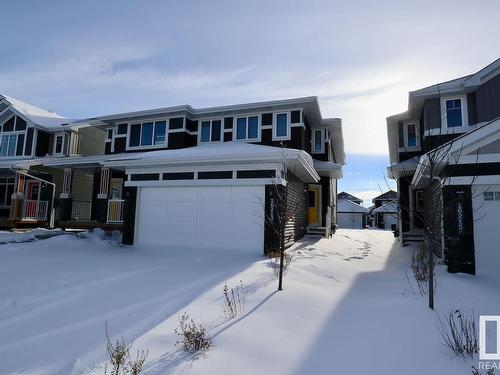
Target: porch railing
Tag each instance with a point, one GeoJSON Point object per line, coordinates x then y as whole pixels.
{"type": "Point", "coordinates": [115, 210]}
{"type": "Point", "coordinates": [35, 210]}
{"type": "Point", "coordinates": [81, 210]}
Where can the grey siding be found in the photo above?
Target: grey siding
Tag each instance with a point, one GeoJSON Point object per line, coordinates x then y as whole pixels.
{"type": "Point", "coordinates": [488, 100]}
{"type": "Point", "coordinates": [431, 114]}
{"type": "Point", "coordinates": [296, 226]}
{"type": "Point", "coordinates": [91, 141]}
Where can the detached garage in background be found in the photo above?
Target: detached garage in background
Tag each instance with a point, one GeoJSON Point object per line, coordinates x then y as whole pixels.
{"type": "Point", "coordinates": [386, 216]}
{"type": "Point", "coordinates": [351, 215]}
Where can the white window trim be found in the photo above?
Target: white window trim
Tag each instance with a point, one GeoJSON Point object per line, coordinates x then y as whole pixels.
{"type": "Point", "coordinates": [405, 136]}
{"type": "Point", "coordinates": [465, 112]}
{"type": "Point", "coordinates": [17, 132]}
{"type": "Point", "coordinates": [288, 126]}
{"type": "Point", "coordinates": [259, 127]}
{"type": "Point", "coordinates": [56, 135]}
{"type": "Point", "coordinates": [313, 141]}
{"type": "Point", "coordinates": [152, 146]}
{"type": "Point", "coordinates": [210, 135]}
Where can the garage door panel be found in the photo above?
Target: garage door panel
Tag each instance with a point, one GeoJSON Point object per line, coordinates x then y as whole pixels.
{"type": "Point", "coordinates": [182, 209]}
{"type": "Point", "coordinates": [214, 209]}
{"type": "Point", "coordinates": [202, 217]}
{"type": "Point", "coordinates": [349, 220]}
{"type": "Point", "coordinates": [185, 194]}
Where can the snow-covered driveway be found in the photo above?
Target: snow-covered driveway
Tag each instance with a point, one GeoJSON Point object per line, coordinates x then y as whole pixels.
{"type": "Point", "coordinates": [347, 308]}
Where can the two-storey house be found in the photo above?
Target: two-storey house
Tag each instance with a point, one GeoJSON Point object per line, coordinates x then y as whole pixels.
{"type": "Point", "coordinates": [184, 177]}
{"type": "Point", "coordinates": [444, 154]}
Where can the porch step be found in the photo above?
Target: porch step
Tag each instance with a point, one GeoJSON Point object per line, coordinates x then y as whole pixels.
{"type": "Point", "coordinates": [316, 231]}
{"type": "Point", "coordinates": [409, 239]}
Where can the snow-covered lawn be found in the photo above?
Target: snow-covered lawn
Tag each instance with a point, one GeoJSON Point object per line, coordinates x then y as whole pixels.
{"type": "Point", "coordinates": [347, 308]}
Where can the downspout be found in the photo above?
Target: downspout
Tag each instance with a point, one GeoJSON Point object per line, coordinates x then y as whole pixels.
{"type": "Point", "coordinates": [51, 223]}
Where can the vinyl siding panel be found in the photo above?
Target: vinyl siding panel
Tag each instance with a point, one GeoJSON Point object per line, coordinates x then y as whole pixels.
{"type": "Point", "coordinates": [295, 227]}
{"type": "Point", "coordinates": [91, 141]}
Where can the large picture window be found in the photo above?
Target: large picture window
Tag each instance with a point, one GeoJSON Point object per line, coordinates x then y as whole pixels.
{"type": "Point", "coordinates": [152, 133]}
{"type": "Point", "coordinates": [12, 136]}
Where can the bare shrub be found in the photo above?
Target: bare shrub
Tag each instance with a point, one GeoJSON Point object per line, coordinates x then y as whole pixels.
{"type": "Point", "coordinates": [459, 333]}
{"type": "Point", "coordinates": [193, 337]}
{"type": "Point", "coordinates": [234, 301]}
{"type": "Point", "coordinates": [274, 261]}
{"type": "Point", "coordinates": [119, 357]}
{"type": "Point", "coordinates": [420, 268]}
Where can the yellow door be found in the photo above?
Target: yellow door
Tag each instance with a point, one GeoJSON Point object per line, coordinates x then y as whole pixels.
{"type": "Point", "coordinates": [313, 198]}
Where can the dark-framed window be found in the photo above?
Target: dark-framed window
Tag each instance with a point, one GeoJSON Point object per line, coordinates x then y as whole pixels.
{"type": "Point", "coordinates": [150, 133]}
{"type": "Point", "coordinates": [281, 126]}
{"type": "Point", "coordinates": [411, 135]}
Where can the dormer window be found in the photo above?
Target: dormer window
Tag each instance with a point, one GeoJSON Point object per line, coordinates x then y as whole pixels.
{"type": "Point", "coordinates": [210, 131]}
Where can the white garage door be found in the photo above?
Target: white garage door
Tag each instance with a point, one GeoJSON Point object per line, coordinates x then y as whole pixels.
{"type": "Point", "coordinates": [389, 220]}
{"type": "Point", "coordinates": [350, 220]}
{"type": "Point", "coordinates": [201, 217]}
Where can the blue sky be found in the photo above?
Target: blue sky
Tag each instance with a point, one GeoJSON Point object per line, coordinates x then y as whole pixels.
{"type": "Point", "coordinates": [87, 58]}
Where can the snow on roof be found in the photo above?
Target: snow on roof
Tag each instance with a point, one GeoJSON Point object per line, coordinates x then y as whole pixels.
{"type": "Point", "coordinates": [389, 207]}
{"type": "Point", "coordinates": [391, 194]}
{"type": "Point", "coordinates": [37, 116]}
{"type": "Point", "coordinates": [404, 168]}
{"type": "Point", "coordinates": [224, 152]}
{"type": "Point", "coordinates": [346, 205]}
{"type": "Point", "coordinates": [344, 195]}
{"type": "Point", "coordinates": [328, 169]}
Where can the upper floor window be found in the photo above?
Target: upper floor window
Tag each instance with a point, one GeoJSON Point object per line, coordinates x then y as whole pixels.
{"type": "Point", "coordinates": [13, 136]}
{"type": "Point", "coordinates": [210, 131]}
{"type": "Point", "coordinates": [453, 113]}
{"type": "Point", "coordinates": [247, 128]}
{"type": "Point", "coordinates": [318, 141]}
{"type": "Point", "coordinates": [151, 133]}
{"type": "Point", "coordinates": [281, 126]}
{"type": "Point", "coordinates": [58, 144]}
{"type": "Point", "coordinates": [411, 137]}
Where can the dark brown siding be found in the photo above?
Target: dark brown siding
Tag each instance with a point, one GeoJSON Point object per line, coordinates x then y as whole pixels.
{"type": "Point", "coordinates": [488, 100]}
{"type": "Point", "coordinates": [431, 114]}
{"type": "Point", "coordinates": [296, 226]}
{"type": "Point", "coordinates": [130, 196]}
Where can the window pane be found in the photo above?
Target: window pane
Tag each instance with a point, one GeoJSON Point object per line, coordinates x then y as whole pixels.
{"type": "Point", "coordinates": [12, 144]}
{"type": "Point", "coordinates": [454, 113]}
{"type": "Point", "coordinates": [317, 140]}
{"type": "Point", "coordinates": [241, 128]}
{"type": "Point", "coordinates": [3, 193]}
{"type": "Point", "coordinates": [412, 135]}
{"type": "Point", "coordinates": [147, 134]}
{"type": "Point", "coordinates": [110, 133]}
{"type": "Point", "coordinates": [9, 124]}
{"type": "Point", "coordinates": [488, 195]}
{"type": "Point", "coordinates": [216, 130]}
{"type": "Point", "coordinates": [253, 127]}
{"type": "Point", "coordinates": [160, 130]}
{"type": "Point", "coordinates": [135, 135]}
{"type": "Point", "coordinates": [10, 191]}
{"type": "Point", "coordinates": [497, 195]}
{"type": "Point", "coordinates": [20, 144]}
{"type": "Point", "coordinates": [281, 125]}
{"type": "Point", "coordinates": [20, 124]}
{"type": "Point", "coordinates": [205, 131]}
{"type": "Point", "coordinates": [122, 129]}
{"type": "Point", "coordinates": [4, 145]}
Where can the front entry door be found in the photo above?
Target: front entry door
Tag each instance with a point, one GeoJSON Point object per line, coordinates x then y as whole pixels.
{"type": "Point", "coordinates": [314, 203]}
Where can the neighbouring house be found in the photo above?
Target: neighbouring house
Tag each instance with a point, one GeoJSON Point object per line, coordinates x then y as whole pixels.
{"type": "Point", "coordinates": [352, 198]}
{"type": "Point", "coordinates": [445, 155]}
{"type": "Point", "coordinates": [351, 215]}
{"type": "Point", "coordinates": [386, 217]}
{"type": "Point", "coordinates": [176, 176]}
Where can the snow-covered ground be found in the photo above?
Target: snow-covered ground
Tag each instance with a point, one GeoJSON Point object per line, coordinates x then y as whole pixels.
{"type": "Point", "coordinates": [347, 308]}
